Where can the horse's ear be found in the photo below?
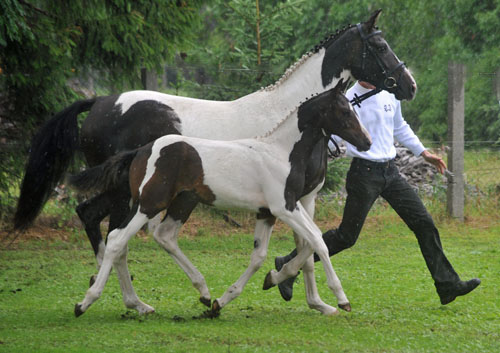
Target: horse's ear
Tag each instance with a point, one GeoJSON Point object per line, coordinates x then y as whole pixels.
{"type": "Point", "coordinates": [371, 23]}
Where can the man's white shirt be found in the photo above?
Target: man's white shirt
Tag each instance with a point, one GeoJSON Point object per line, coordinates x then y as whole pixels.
{"type": "Point", "coordinates": [381, 116]}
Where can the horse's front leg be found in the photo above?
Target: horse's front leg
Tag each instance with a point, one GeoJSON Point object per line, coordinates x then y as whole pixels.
{"type": "Point", "coordinates": [116, 247]}
{"type": "Point", "coordinates": [262, 234]}
{"type": "Point", "coordinates": [312, 296]}
{"type": "Point", "coordinates": [302, 224]}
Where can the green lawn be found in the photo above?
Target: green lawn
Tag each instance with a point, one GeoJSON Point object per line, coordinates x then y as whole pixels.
{"type": "Point", "coordinates": [395, 307]}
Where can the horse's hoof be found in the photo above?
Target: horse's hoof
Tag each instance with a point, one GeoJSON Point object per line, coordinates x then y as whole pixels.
{"type": "Point", "coordinates": [206, 301]}
{"type": "Point", "coordinates": [215, 309]}
{"type": "Point", "coordinates": [346, 307]}
{"type": "Point", "coordinates": [78, 310]}
{"type": "Point", "coordinates": [268, 283]}
{"type": "Point", "coordinates": [92, 280]}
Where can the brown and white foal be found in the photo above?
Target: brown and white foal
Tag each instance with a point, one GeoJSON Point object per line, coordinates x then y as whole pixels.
{"type": "Point", "coordinates": [264, 174]}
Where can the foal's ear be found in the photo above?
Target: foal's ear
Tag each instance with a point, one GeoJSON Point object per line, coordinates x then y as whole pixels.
{"type": "Point", "coordinates": [371, 23]}
{"type": "Point", "coordinates": [345, 85]}
{"type": "Point", "coordinates": [339, 87]}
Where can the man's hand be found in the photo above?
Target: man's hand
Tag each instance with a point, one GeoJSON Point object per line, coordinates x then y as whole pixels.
{"type": "Point", "coordinates": [435, 160]}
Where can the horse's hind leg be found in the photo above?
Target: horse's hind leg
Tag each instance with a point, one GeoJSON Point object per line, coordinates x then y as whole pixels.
{"type": "Point", "coordinates": [166, 234]}
{"type": "Point", "coordinates": [130, 298]}
{"type": "Point", "coordinates": [120, 199]}
{"type": "Point", "coordinates": [115, 250]}
{"type": "Point", "coordinates": [91, 213]}
{"type": "Point", "coordinates": [263, 230]}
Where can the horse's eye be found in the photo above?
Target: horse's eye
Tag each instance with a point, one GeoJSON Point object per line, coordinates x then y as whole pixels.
{"type": "Point", "coordinates": [382, 49]}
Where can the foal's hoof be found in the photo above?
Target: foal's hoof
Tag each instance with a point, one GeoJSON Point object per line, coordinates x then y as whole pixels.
{"type": "Point", "coordinates": [268, 283]}
{"type": "Point", "coordinates": [205, 301]}
{"type": "Point", "coordinates": [78, 310]}
{"type": "Point", "coordinates": [92, 280]}
{"type": "Point", "coordinates": [346, 307]}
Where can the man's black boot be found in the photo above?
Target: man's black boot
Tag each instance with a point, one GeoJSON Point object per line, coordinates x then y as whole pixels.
{"type": "Point", "coordinates": [448, 293]}
{"type": "Point", "coordinates": [285, 287]}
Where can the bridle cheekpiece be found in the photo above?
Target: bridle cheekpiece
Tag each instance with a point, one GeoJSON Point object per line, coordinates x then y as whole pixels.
{"type": "Point", "coordinates": [389, 81]}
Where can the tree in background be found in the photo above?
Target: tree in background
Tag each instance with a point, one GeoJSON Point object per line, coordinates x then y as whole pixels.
{"type": "Point", "coordinates": [426, 34]}
{"type": "Point", "coordinates": [43, 43]}
{"type": "Point", "coordinates": [240, 46]}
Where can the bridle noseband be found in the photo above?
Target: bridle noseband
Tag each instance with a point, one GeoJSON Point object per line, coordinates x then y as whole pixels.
{"type": "Point", "coordinates": [389, 81]}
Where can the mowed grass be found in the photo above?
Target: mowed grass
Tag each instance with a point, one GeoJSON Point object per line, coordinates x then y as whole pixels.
{"type": "Point", "coordinates": [395, 307]}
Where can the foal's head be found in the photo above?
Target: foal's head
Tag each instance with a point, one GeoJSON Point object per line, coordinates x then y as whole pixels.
{"type": "Point", "coordinates": [336, 116]}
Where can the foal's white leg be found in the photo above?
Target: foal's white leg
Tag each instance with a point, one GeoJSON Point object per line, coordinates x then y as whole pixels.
{"type": "Point", "coordinates": [312, 296]}
{"type": "Point", "coordinates": [117, 245]}
{"type": "Point", "coordinates": [303, 225]}
{"type": "Point", "coordinates": [166, 234]}
{"type": "Point", "coordinates": [130, 298]}
{"type": "Point", "coordinates": [263, 230]}
{"type": "Point", "coordinates": [154, 222]}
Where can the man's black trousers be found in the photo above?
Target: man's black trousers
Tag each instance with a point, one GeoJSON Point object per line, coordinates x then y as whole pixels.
{"type": "Point", "coordinates": [365, 182]}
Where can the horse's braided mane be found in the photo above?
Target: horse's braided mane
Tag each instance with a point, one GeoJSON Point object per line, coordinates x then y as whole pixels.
{"type": "Point", "coordinates": [270, 132]}
{"type": "Point", "coordinates": [325, 43]}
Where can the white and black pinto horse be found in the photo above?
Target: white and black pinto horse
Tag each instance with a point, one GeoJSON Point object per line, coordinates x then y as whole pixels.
{"type": "Point", "coordinates": [265, 175]}
{"type": "Point", "coordinates": [132, 119]}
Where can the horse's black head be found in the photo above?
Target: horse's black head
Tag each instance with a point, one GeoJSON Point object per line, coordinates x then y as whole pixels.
{"type": "Point", "coordinates": [336, 116]}
{"type": "Point", "coordinates": [363, 50]}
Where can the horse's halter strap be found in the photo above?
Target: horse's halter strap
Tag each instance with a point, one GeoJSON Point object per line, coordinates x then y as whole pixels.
{"type": "Point", "coordinates": [337, 152]}
{"type": "Point", "coordinates": [389, 81]}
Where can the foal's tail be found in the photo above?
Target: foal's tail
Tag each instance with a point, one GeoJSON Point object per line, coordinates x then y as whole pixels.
{"type": "Point", "coordinates": [105, 176]}
{"type": "Point", "coordinates": [52, 151]}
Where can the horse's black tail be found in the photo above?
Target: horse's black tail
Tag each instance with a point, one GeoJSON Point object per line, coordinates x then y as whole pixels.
{"type": "Point", "coordinates": [105, 176]}
{"type": "Point", "coordinates": [52, 151]}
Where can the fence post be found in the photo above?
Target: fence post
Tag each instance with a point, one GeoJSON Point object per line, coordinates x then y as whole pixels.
{"type": "Point", "coordinates": [497, 85]}
{"type": "Point", "coordinates": [149, 79]}
{"type": "Point", "coordinates": [456, 108]}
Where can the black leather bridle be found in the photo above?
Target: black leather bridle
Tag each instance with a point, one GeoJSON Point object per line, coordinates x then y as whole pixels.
{"type": "Point", "coordinates": [389, 81]}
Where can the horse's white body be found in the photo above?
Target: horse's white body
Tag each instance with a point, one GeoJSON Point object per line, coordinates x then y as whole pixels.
{"type": "Point", "coordinates": [249, 174]}
{"type": "Point", "coordinates": [248, 116]}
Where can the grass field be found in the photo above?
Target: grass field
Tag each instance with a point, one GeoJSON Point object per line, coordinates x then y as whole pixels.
{"type": "Point", "coordinates": [395, 307]}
